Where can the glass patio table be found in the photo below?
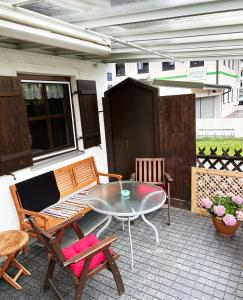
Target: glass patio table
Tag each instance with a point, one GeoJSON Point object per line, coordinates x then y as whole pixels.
{"type": "Point", "coordinates": [126, 201]}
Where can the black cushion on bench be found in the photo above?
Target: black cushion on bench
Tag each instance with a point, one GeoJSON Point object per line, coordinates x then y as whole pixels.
{"type": "Point", "coordinates": [38, 192]}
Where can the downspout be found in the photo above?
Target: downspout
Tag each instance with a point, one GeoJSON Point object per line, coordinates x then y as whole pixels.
{"type": "Point", "coordinates": [227, 92]}
{"type": "Point", "coordinates": [217, 72]}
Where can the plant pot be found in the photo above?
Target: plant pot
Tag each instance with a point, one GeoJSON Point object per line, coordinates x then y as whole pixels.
{"type": "Point", "coordinates": [224, 230]}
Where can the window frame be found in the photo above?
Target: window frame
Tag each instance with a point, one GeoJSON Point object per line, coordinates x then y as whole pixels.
{"type": "Point", "coordinates": [196, 66]}
{"type": "Point", "coordinates": [73, 127]}
{"type": "Point", "coordinates": [143, 62]}
{"type": "Point", "coordinates": [117, 75]}
{"type": "Point", "coordinates": [162, 67]}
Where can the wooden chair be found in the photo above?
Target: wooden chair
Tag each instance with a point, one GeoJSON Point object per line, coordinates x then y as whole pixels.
{"type": "Point", "coordinates": [84, 264]}
{"type": "Point", "coordinates": [152, 170]}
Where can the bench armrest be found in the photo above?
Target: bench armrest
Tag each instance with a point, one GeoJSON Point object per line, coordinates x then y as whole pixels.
{"type": "Point", "coordinates": [28, 213]}
{"type": "Point", "coordinates": [118, 177]}
{"type": "Point", "coordinates": [168, 178]}
{"type": "Point", "coordinates": [91, 251]}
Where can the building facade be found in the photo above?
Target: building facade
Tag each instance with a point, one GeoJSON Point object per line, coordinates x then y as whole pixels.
{"type": "Point", "coordinates": [210, 104]}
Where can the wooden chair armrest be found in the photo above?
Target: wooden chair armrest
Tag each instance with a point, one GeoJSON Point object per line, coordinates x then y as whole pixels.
{"type": "Point", "coordinates": [118, 177]}
{"type": "Point", "coordinates": [168, 178]}
{"type": "Point", "coordinates": [91, 251]}
{"type": "Point", "coordinates": [36, 214]}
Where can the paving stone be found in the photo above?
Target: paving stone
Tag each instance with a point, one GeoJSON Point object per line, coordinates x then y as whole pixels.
{"type": "Point", "coordinates": [191, 262]}
{"type": "Point", "coordinates": [239, 293]}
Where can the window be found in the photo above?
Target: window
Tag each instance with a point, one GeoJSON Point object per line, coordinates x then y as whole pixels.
{"type": "Point", "coordinates": [109, 76]}
{"type": "Point", "coordinates": [196, 63]}
{"type": "Point", "coordinates": [49, 116]}
{"type": "Point", "coordinates": [229, 63]}
{"type": "Point", "coordinates": [168, 65]}
{"type": "Point", "coordinates": [224, 63]}
{"type": "Point", "coordinates": [205, 108]}
{"type": "Point", "coordinates": [143, 67]}
{"type": "Point", "coordinates": [120, 70]}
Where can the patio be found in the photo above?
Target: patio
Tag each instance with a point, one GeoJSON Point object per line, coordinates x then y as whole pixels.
{"type": "Point", "coordinates": [191, 262]}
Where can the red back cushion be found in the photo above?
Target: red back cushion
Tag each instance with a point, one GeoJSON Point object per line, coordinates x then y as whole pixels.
{"type": "Point", "coordinates": [80, 246]}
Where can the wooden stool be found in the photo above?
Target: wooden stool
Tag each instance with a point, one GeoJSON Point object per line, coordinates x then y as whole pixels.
{"type": "Point", "coordinates": [11, 242]}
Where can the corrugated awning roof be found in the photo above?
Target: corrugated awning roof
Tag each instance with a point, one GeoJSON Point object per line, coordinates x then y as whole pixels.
{"type": "Point", "coordinates": [183, 29]}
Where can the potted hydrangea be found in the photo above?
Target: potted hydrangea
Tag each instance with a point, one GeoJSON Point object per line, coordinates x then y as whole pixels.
{"type": "Point", "coordinates": [226, 211]}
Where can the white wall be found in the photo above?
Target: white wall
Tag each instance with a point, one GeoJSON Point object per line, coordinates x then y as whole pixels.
{"type": "Point", "coordinates": [227, 76]}
{"type": "Point", "coordinates": [155, 71]}
{"type": "Point", "coordinates": [229, 123]}
{"type": "Point", "coordinates": [12, 62]}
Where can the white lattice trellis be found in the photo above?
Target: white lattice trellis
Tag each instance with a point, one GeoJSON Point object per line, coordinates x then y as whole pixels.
{"type": "Point", "coordinates": [207, 182]}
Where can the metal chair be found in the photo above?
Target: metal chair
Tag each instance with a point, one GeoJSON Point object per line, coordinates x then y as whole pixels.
{"type": "Point", "coordinates": [81, 260]}
{"type": "Point", "coordinates": [152, 170]}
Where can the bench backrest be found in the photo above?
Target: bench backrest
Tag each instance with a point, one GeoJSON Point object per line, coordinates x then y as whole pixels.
{"type": "Point", "coordinates": [76, 176]}
{"type": "Point", "coordinates": [69, 179]}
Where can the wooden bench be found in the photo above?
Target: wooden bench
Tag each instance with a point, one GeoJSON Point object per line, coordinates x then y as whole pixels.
{"type": "Point", "coordinates": [70, 179]}
{"type": "Point", "coordinates": [207, 182]}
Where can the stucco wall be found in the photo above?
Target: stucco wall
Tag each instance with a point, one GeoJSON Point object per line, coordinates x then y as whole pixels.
{"type": "Point", "coordinates": [12, 62]}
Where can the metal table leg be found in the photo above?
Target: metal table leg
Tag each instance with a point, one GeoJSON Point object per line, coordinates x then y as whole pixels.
{"type": "Point", "coordinates": [152, 226]}
{"type": "Point", "coordinates": [128, 219]}
{"type": "Point", "coordinates": [104, 227]}
{"type": "Point", "coordinates": [130, 238]}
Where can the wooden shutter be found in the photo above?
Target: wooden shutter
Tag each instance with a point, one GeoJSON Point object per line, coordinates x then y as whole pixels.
{"type": "Point", "coordinates": [89, 112]}
{"type": "Point", "coordinates": [15, 151]}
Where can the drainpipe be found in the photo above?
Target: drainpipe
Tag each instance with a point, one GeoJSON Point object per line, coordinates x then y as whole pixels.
{"type": "Point", "coordinates": [27, 33]}
{"type": "Point", "coordinates": [25, 17]}
{"type": "Point", "coordinates": [217, 72]}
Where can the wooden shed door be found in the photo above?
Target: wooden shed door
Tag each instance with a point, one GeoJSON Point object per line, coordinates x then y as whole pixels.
{"type": "Point", "coordinates": [178, 142]}
{"type": "Point", "coordinates": [130, 128]}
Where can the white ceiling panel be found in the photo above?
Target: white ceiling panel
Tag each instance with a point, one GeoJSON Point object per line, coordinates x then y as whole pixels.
{"type": "Point", "coordinates": [181, 29]}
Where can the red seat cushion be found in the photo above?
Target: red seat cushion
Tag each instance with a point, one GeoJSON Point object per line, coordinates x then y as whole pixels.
{"type": "Point", "coordinates": [80, 246]}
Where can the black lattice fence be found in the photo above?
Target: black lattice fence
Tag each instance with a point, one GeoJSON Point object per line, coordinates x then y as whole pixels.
{"type": "Point", "coordinates": [222, 161]}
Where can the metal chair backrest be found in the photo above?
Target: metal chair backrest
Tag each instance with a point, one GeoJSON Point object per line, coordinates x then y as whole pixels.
{"type": "Point", "coordinates": [150, 170]}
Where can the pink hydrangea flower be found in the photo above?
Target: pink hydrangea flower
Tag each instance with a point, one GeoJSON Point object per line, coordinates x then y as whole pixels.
{"type": "Point", "coordinates": [206, 203]}
{"type": "Point", "coordinates": [239, 215]}
{"type": "Point", "coordinates": [219, 210]}
{"type": "Point", "coordinates": [220, 193]}
{"type": "Point", "coordinates": [229, 220]}
{"type": "Point", "coordinates": [238, 200]}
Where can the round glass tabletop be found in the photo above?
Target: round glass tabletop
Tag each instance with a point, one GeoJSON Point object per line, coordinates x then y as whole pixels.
{"type": "Point", "coordinates": [125, 198]}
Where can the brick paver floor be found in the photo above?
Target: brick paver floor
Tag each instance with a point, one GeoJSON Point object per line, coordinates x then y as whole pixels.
{"type": "Point", "coordinates": [191, 262]}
